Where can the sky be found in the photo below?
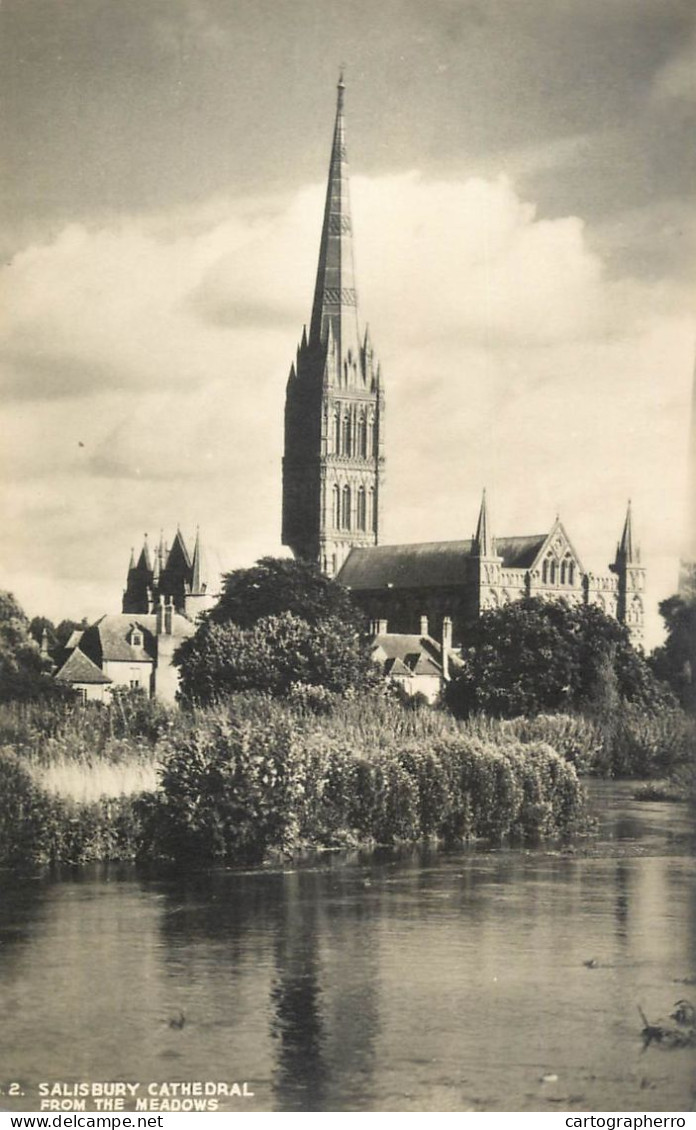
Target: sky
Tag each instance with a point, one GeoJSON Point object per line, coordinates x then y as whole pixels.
{"type": "Point", "coordinates": [522, 185]}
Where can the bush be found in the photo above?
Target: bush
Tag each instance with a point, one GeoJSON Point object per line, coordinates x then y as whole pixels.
{"type": "Point", "coordinates": [256, 776]}
{"type": "Point", "coordinates": [238, 788]}
{"type": "Point", "coordinates": [230, 791]}
{"type": "Point", "coordinates": [638, 743]}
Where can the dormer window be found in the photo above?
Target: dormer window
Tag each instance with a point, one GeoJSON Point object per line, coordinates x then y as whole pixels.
{"type": "Point", "coordinates": [135, 638]}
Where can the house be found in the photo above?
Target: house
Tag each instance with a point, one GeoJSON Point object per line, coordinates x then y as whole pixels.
{"type": "Point", "coordinates": [417, 663]}
{"type": "Point", "coordinates": [127, 650]}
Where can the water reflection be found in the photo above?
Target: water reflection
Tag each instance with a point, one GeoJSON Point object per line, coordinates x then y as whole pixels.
{"type": "Point", "coordinates": [396, 981]}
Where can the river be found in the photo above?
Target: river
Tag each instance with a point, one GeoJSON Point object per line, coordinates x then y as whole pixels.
{"type": "Point", "coordinates": [482, 979]}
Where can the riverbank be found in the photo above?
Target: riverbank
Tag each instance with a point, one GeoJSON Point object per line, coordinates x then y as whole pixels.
{"type": "Point", "coordinates": [237, 783]}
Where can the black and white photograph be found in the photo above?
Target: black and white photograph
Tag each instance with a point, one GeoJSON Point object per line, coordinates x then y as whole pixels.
{"type": "Point", "coordinates": [348, 569]}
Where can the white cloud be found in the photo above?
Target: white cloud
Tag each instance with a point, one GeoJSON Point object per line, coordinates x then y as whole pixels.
{"type": "Point", "coordinates": [146, 365]}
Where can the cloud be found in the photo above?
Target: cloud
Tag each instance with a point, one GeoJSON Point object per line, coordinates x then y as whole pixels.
{"type": "Point", "coordinates": [145, 364]}
{"type": "Point", "coordinates": [676, 79]}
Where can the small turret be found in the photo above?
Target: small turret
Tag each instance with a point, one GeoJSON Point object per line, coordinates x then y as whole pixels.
{"type": "Point", "coordinates": [139, 581]}
{"type": "Point", "coordinates": [485, 562]}
{"type": "Point", "coordinates": [199, 596]}
{"type": "Point", "coordinates": [484, 545]}
{"type": "Point", "coordinates": [631, 581]}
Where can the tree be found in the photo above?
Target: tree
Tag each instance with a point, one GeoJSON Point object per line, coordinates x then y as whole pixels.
{"type": "Point", "coordinates": [275, 585]}
{"type": "Point", "coordinates": [675, 661]}
{"type": "Point", "coordinates": [273, 655]}
{"type": "Point", "coordinates": [535, 655]}
{"type": "Point", "coordinates": [23, 670]}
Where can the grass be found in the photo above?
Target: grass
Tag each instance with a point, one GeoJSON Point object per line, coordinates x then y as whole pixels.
{"type": "Point", "coordinates": [87, 780]}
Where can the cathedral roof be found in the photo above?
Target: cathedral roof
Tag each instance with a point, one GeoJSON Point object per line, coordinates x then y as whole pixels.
{"type": "Point", "coordinates": [429, 564]}
{"type": "Point", "coordinates": [79, 668]}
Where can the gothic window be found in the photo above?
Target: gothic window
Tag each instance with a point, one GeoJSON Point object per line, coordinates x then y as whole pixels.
{"type": "Point", "coordinates": [635, 611]}
{"type": "Point", "coordinates": [362, 437]}
{"type": "Point", "coordinates": [336, 508]}
{"type": "Point", "coordinates": [571, 572]}
{"type": "Point", "coordinates": [371, 511]}
{"type": "Point", "coordinates": [371, 437]}
{"type": "Point", "coordinates": [345, 510]}
{"type": "Point", "coordinates": [553, 569]}
{"type": "Point", "coordinates": [563, 572]}
{"type": "Point", "coordinates": [337, 432]}
{"type": "Point", "coordinates": [362, 509]}
{"type": "Point", "coordinates": [545, 571]}
{"type": "Point", "coordinates": [346, 435]}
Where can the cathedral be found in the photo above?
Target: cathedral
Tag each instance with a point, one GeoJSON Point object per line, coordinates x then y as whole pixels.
{"type": "Point", "coordinates": [333, 475]}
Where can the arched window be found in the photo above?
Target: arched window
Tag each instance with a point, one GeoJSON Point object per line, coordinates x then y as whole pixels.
{"type": "Point", "coordinates": [346, 435]}
{"type": "Point", "coordinates": [345, 511]}
{"type": "Point", "coordinates": [336, 507]}
{"type": "Point", "coordinates": [362, 437]}
{"type": "Point", "coordinates": [563, 572]}
{"type": "Point", "coordinates": [552, 577]}
{"type": "Point", "coordinates": [571, 572]}
{"type": "Point", "coordinates": [545, 571]}
{"type": "Point", "coordinates": [337, 432]}
{"type": "Point", "coordinates": [371, 511]}
{"type": "Point", "coordinates": [362, 509]}
{"type": "Point", "coordinates": [370, 437]}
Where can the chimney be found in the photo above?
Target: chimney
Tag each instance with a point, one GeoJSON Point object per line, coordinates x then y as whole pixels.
{"type": "Point", "coordinates": [168, 612]}
{"type": "Point", "coordinates": [159, 617]}
{"type": "Point", "coordinates": [378, 627]}
{"type": "Point", "coordinates": [424, 626]}
{"type": "Point", "coordinates": [446, 645]}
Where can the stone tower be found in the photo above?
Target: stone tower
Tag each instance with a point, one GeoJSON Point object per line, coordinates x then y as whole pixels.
{"type": "Point", "coordinates": [334, 408]}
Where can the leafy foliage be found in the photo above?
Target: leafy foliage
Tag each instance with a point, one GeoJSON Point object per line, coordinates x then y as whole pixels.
{"type": "Point", "coordinates": [675, 661]}
{"type": "Point", "coordinates": [273, 655]}
{"type": "Point", "coordinates": [258, 775]}
{"type": "Point", "coordinates": [534, 655]}
{"type": "Point", "coordinates": [275, 585]}
{"type": "Point", "coordinates": [23, 671]}
{"type": "Point", "coordinates": [248, 781]}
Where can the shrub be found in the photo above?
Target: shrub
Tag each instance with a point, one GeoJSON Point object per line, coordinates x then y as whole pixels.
{"type": "Point", "coordinates": [639, 743]}
{"type": "Point", "coordinates": [231, 789]}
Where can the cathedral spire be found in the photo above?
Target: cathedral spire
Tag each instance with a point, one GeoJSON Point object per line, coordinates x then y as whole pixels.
{"type": "Point", "coordinates": [335, 301]}
{"type": "Point", "coordinates": [483, 540]}
{"type": "Point", "coordinates": [196, 565]}
{"type": "Point", "coordinates": [333, 463]}
{"type": "Point", "coordinates": [626, 551]}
